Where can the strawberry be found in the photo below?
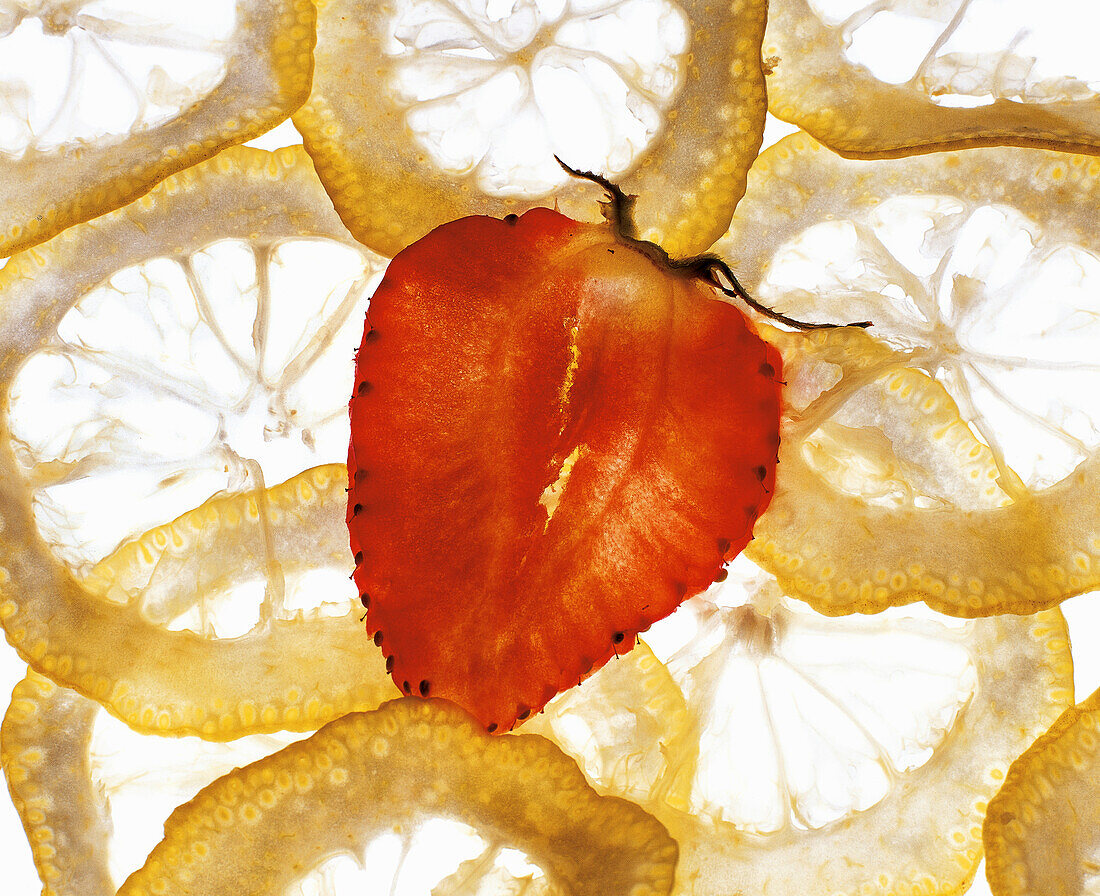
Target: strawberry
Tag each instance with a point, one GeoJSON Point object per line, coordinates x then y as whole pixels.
{"type": "Point", "coordinates": [557, 436]}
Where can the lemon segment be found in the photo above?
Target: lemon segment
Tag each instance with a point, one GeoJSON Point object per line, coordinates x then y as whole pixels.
{"type": "Point", "coordinates": [948, 454]}
{"type": "Point", "coordinates": [253, 70]}
{"type": "Point", "coordinates": [387, 775]}
{"type": "Point", "coordinates": [237, 616]}
{"type": "Point", "coordinates": [621, 735]}
{"type": "Point", "coordinates": [883, 80]}
{"type": "Point", "coordinates": [425, 112]}
{"type": "Point", "coordinates": [1041, 832]}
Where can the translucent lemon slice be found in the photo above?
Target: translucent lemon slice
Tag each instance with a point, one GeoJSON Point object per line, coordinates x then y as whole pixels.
{"type": "Point", "coordinates": [197, 342]}
{"type": "Point", "coordinates": [425, 111]}
{"type": "Point", "coordinates": [1041, 832]}
{"type": "Point", "coordinates": [622, 727]}
{"type": "Point", "coordinates": [366, 797]}
{"type": "Point", "coordinates": [949, 454]}
{"type": "Point", "coordinates": [815, 755]}
{"type": "Point", "coordinates": [885, 79]}
{"type": "Point", "coordinates": [101, 100]}
{"type": "Point", "coordinates": [91, 793]}
{"type": "Point", "coordinates": [43, 751]}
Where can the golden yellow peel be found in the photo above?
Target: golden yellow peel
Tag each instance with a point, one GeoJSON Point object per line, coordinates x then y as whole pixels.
{"type": "Point", "coordinates": [1041, 828]}
{"type": "Point", "coordinates": [261, 828]}
{"type": "Point", "coordinates": [44, 752]}
{"type": "Point", "coordinates": [287, 673]}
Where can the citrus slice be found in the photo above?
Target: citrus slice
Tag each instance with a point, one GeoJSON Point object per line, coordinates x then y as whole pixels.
{"type": "Point", "coordinates": [195, 343]}
{"type": "Point", "coordinates": [886, 79]}
{"type": "Point", "coordinates": [555, 438]}
{"type": "Point", "coordinates": [334, 804]}
{"type": "Point", "coordinates": [619, 723]}
{"type": "Point", "coordinates": [1041, 831]}
{"type": "Point", "coordinates": [423, 112]}
{"type": "Point", "coordinates": [43, 751]}
{"type": "Point", "coordinates": [949, 454]}
{"type": "Point", "coordinates": [120, 95]}
{"type": "Point", "coordinates": [91, 793]}
{"type": "Point", "coordinates": [815, 755]}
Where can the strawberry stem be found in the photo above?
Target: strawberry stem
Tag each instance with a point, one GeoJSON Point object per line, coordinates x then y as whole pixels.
{"type": "Point", "coordinates": [618, 211]}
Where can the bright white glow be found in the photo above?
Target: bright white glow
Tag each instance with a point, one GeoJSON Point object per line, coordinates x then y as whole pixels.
{"type": "Point", "coordinates": [499, 89]}
{"type": "Point", "coordinates": [82, 71]}
{"type": "Point", "coordinates": [182, 377]}
{"type": "Point", "coordinates": [967, 53]}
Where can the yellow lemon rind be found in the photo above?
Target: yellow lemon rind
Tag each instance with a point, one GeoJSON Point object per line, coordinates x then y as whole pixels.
{"type": "Point", "coordinates": [266, 825]}
{"type": "Point", "coordinates": [1039, 832]}
{"type": "Point", "coordinates": [290, 674]}
{"type": "Point", "coordinates": [44, 753]}
{"type": "Point", "coordinates": [924, 836]}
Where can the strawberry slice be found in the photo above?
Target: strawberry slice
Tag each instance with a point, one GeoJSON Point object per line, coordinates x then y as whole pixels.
{"type": "Point", "coordinates": [555, 440]}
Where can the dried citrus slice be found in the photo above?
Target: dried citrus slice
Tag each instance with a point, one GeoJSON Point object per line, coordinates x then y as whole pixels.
{"type": "Point", "coordinates": [425, 111]}
{"type": "Point", "coordinates": [196, 342]}
{"type": "Point", "coordinates": [145, 92]}
{"type": "Point", "coordinates": [949, 454]}
{"type": "Point", "coordinates": [301, 817]}
{"type": "Point", "coordinates": [885, 79]}
{"type": "Point", "coordinates": [812, 755]}
{"type": "Point", "coordinates": [1041, 832]}
{"type": "Point", "coordinates": [619, 723]}
{"type": "Point", "coordinates": [555, 438]}
{"type": "Point", "coordinates": [42, 750]}
{"type": "Point", "coordinates": [92, 795]}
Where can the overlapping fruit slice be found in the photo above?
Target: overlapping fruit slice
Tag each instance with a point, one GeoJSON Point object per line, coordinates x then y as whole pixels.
{"type": "Point", "coordinates": [555, 440]}
{"type": "Point", "coordinates": [196, 343]}
{"type": "Point", "coordinates": [121, 94]}
{"type": "Point", "coordinates": [949, 454]}
{"type": "Point", "coordinates": [792, 753]}
{"type": "Point", "coordinates": [92, 794]}
{"type": "Point", "coordinates": [43, 752]}
{"type": "Point", "coordinates": [618, 725]}
{"type": "Point", "coordinates": [1042, 831]}
{"type": "Point", "coordinates": [884, 79]}
{"type": "Point", "coordinates": [425, 111]}
{"type": "Point", "coordinates": [336, 807]}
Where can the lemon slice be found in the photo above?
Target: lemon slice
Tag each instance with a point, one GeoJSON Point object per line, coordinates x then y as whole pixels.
{"type": "Point", "coordinates": [42, 751]}
{"type": "Point", "coordinates": [1041, 829]}
{"type": "Point", "coordinates": [120, 95]}
{"type": "Point", "coordinates": [92, 795]}
{"type": "Point", "coordinates": [949, 454]}
{"type": "Point", "coordinates": [425, 111]}
{"type": "Point", "coordinates": [816, 755]}
{"type": "Point", "coordinates": [621, 728]}
{"type": "Point", "coordinates": [367, 793]}
{"type": "Point", "coordinates": [196, 343]}
{"type": "Point", "coordinates": [881, 80]}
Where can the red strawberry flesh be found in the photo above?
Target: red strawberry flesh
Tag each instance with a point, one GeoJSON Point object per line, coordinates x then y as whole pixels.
{"type": "Point", "coordinates": [555, 441]}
